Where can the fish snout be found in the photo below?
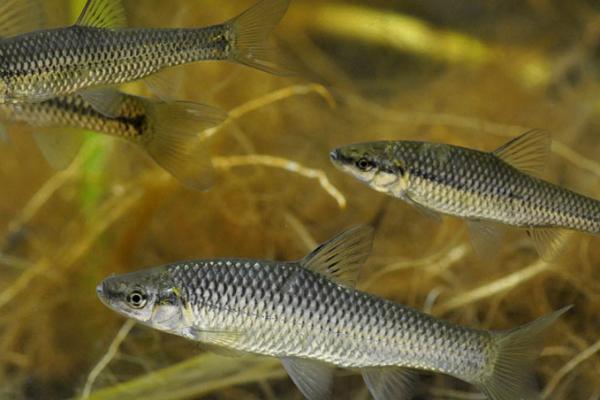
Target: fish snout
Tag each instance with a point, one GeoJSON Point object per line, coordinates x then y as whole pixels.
{"type": "Point", "coordinates": [100, 289]}
{"type": "Point", "coordinates": [334, 155]}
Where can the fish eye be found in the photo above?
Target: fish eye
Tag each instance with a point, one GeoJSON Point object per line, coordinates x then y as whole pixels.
{"type": "Point", "coordinates": [136, 299]}
{"type": "Point", "coordinates": [364, 164]}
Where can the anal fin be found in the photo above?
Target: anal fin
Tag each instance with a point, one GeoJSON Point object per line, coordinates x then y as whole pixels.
{"type": "Point", "coordinates": [166, 83]}
{"type": "Point", "coordinates": [313, 378]}
{"type": "Point", "coordinates": [548, 242]}
{"type": "Point", "coordinates": [390, 383]}
{"type": "Point", "coordinates": [59, 145]}
{"type": "Point", "coordinates": [104, 100]}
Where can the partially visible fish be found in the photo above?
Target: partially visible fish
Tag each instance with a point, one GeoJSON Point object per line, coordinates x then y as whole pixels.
{"type": "Point", "coordinates": [308, 314]}
{"type": "Point", "coordinates": [483, 187]}
{"type": "Point", "coordinates": [168, 131]}
{"type": "Point", "coordinates": [99, 51]}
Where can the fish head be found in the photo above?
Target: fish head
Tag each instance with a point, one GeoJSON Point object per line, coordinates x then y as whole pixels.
{"type": "Point", "coordinates": [374, 163]}
{"type": "Point", "coordinates": [149, 297]}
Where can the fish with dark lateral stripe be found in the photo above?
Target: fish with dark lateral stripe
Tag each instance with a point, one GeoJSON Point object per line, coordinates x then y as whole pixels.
{"type": "Point", "coordinates": [308, 314]}
{"type": "Point", "coordinates": [167, 131]}
{"type": "Point", "coordinates": [485, 188]}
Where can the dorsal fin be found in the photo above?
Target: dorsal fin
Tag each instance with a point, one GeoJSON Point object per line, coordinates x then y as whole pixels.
{"type": "Point", "coordinates": [20, 16]}
{"type": "Point", "coordinates": [107, 14]}
{"type": "Point", "coordinates": [341, 257]}
{"type": "Point", "coordinates": [528, 152]}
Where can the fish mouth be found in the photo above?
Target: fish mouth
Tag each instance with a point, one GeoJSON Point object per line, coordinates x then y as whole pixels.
{"type": "Point", "coordinates": [338, 159]}
{"type": "Point", "coordinates": [334, 155]}
{"type": "Point", "coordinates": [100, 293]}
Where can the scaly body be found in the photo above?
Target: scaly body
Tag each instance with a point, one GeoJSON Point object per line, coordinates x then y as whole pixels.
{"type": "Point", "coordinates": [474, 184]}
{"type": "Point", "coordinates": [43, 64]}
{"type": "Point", "coordinates": [99, 51]}
{"type": "Point", "coordinates": [483, 187]}
{"type": "Point", "coordinates": [308, 314]}
{"type": "Point", "coordinates": [319, 319]}
{"type": "Point", "coordinates": [130, 123]}
{"type": "Point", "coordinates": [169, 132]}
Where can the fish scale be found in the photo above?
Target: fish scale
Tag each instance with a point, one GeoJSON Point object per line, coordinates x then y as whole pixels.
{"type": "Point", "coordinates": [485, 188]}
{"type": "Point", "coordinates": [319, 319]}
{"type": "Point", "coordinates": [100, 51]}
{"type": "Point", "coordinates": [475, 184]}
{"type": "Point", "coordinates": [73, 111]}
{"type": "Point", "coordinates": [308, 314]}
{"type": "Point", "coordinates": [68, 59]}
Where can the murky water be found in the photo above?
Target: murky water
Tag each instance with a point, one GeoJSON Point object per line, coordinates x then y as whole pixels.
{"type": "Point", "coordinates": [454, 72]}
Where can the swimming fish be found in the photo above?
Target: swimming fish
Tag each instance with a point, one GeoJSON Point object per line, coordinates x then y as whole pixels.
{"type": "Point", "coordinates": [308, 314]}
{"type": "Point", "coordinates": [486, 188]}
{"type": "Point", "coordinates": [99, 51]}
{"type": "Point", "coordinates": [168, 131]}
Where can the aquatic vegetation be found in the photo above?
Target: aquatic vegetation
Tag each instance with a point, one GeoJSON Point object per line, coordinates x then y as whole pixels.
{"type": "Point", "coordinates": [473, 76]}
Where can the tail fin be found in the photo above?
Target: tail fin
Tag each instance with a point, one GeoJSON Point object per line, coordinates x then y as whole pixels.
{"type": "Point", "coordinates": [511, 376]}
{"type": "Point", "coordinates": [250, 32]}
{"type": "Point", "coordinates": [174, 140]}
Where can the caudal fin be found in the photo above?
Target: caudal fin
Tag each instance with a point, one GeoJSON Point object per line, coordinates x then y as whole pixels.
{"type": "Point", "coordinates": [250, 33]}
{"type": "Point", "coordinates": [511, 375]}
{"type": "Point", "coordinates": [174, 139]}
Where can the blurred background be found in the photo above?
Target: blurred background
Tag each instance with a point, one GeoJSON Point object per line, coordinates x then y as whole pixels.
{"type": "Point", "coordinates": [468, 73]}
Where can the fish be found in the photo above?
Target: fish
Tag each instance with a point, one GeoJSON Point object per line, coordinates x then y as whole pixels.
{"type": "Point", "coordinates": [99, 51]}
{"type": "Point", "coordinates": [489, 190]}
{"type": "Point", "coordinates": [167, 131]}
{"type": "Point", "coordinates": [309, 314]}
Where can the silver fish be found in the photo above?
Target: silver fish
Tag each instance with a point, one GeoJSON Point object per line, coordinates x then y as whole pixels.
{"type": "Point", "coordinates": [168, 131]}
{"type": "Point", "coordinates": [482, 187]}
{"type": "Point", "coordinates": [308, 314]}
{"type": "Point", "coordinates": [99, 51]}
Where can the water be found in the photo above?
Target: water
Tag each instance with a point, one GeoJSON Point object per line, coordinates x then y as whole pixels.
{"type": "Point", "coordinates": [471, 75]}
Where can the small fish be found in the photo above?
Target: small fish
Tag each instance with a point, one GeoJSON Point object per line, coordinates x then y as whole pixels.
{"type": "Point", "coordinates": [484, 187]}
{"type": "Point", "coordinates": [308, 314]}
{"type": "Point", "coordinates": [99, 51]}
{"type": "Point", "coordinates": [169, 132]}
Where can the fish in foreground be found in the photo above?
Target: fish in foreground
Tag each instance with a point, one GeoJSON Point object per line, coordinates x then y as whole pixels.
{"type": "Point", "coordinates": [99, 51]}
{"type": "Point", "coordinates": [486, 188]}
{"type": "Point", "coordinates": [168, 131]}
{"type": "Point", "coordinates": [308, 314]}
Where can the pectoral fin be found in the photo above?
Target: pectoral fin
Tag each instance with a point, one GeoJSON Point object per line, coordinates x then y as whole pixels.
{"type": "Point", "coordinates": [20, 16]}
{"type": "Point", "coordinates": [312, 378]}
{"type": "Point", "coordinates": [528, 152]}
{"type": "Point", "coordinates": [390, 383]}
{"type": "Point", "coordinates": [58, 145]}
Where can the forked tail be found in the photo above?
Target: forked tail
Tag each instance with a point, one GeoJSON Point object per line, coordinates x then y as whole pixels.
{"type": "Point", "coordinates": [174, 141]}
{"type": "Point", "coordinates": [511, 375]}
{"type": "Point", "coordinates": [250, 31]}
